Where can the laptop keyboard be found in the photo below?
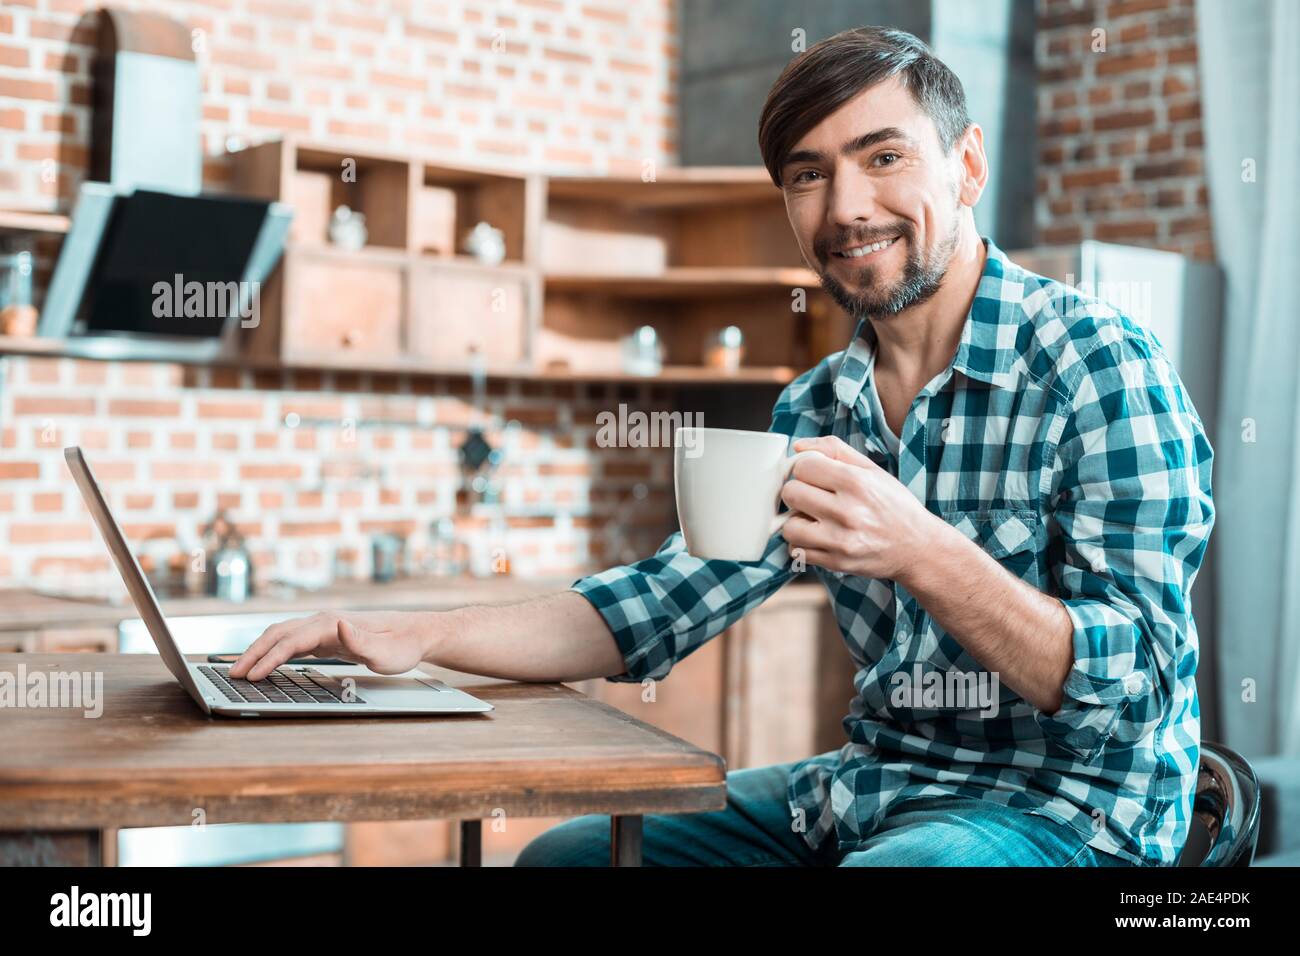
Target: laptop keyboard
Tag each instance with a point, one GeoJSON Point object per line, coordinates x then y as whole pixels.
{"type": "Point", "coordinates": [282, 686]}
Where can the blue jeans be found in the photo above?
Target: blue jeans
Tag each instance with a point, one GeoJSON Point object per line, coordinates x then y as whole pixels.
{"type": "Point", "coordinates": [755, 830]}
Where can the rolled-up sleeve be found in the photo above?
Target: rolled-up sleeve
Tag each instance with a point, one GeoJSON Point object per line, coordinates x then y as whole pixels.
{"type": "Point", "coordinates": [664, 607]}
{"type": "Point", "coordinates": [1134, 509]}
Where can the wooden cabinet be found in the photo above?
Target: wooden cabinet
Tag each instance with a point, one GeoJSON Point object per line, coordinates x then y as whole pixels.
{"type": "Point", "coordinates": [587, 260]}
{"type": "Point", "coordinates": [458, 310]}
{"type": "Point", "coordinates": [342, 308]}
{"type": "Point", "coordinates": [789, 681]}
{"type": "Point", "coordinates": [410, 299]}
{"type": "Point", "coordinates": [772, 688]}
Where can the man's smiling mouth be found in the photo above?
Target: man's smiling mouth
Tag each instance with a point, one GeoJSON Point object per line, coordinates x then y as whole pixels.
{"type": "Point", "coordinates": [871, 248]}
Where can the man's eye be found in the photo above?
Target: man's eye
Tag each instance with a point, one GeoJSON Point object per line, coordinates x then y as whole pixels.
{"type": "Point", "coordinates": [801, 177]}
{"type": "Point", "coordinates": [891, 157]}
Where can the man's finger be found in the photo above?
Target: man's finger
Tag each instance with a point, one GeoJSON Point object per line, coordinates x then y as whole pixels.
{"type": "Point", "coordinates": [811, 499]}
{"type": "Point", "coordinates": [304, 634]}
{"type": "Point", "coordinates": [802, 532]}
{"type": "Point", "coordinates": [295, 645]}
{"type": "Point", "coordinates": [264, 643]}
{"type": "Point", "coordinates": [825, 472]}
{"type": "Point", "coordinates": [837, 449]}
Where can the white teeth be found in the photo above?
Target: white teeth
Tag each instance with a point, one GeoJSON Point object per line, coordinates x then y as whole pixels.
{"type": "Point", "coordinates": [861, 251]}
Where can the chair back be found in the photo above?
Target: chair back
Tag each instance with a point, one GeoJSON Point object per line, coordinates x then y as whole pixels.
{"type": "Point", "coordinates": [1225, 811]}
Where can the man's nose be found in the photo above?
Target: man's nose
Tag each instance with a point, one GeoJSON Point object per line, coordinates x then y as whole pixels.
{"type": "Point", "coordinates": [852, 199]}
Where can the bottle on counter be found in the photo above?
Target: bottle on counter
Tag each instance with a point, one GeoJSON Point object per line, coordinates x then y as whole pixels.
{"type": "Point", "coordinates": [229, 566]}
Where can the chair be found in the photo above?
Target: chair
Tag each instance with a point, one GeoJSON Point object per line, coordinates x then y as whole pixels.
{"type": "Point", "coordinates": [1225, 811]}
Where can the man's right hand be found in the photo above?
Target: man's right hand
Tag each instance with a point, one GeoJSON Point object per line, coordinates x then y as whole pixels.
{"type": "Point", "coordinates": [384, 641]}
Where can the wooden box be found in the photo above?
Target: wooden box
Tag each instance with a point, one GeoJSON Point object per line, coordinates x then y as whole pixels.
{"type": "Point", "coordinates": [433, 229]}
{"type": "Point", "coordinates": [458, 308]}
{"type": "Point", "coordinates": [309, 194]}
{"type": "Point", "coordinates": [343, 307]}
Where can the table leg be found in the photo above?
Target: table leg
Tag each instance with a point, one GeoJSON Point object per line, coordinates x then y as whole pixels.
{"type": "Point", "coordinates": [49, 848]}
{"type": "Point", "coordinates": [471, 842]}
{"type": "Point", "coordinates": [625, 840]}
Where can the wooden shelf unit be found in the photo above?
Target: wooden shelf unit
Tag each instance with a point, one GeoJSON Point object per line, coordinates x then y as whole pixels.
{"type": "Point", "coordinates": [18, 220]}
{"type": "Point", "coordinates": [588, 260]}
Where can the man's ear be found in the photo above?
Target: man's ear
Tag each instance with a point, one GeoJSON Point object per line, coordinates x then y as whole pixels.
{"type": "Point", "coordinates": [974, 165]}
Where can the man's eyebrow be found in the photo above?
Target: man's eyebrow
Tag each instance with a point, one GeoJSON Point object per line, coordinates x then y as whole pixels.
{"type": "Point", "coordinates": [857, 145]}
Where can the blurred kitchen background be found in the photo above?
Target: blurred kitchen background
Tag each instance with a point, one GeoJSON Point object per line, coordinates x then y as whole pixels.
{"type": "Point", "coordinates": [474, 226]}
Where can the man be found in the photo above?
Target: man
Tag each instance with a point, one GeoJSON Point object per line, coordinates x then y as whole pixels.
{"type": "Point", "coordinates": [1013, 489]}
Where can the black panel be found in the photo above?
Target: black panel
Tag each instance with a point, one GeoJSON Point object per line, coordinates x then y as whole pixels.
{"type": "Point", "coordinates": [152, 237]}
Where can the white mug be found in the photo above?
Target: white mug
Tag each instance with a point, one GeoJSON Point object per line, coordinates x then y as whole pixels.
{"type": "Point", "coordinates": [728, 486]}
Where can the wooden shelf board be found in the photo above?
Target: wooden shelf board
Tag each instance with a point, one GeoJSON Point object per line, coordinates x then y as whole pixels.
{"type": "Point", "coordinates": [341, 362]}
{"type": "Point", "coordinates": [16, 220]}
{"type": "Point", "coordinates": [682, 186]}
{"type": "Point", "coordinates": [320, 153]}
{"type": "Point", "coordinates": [682, 374]}
{"type": "Point", "coordinates": [393, 254]}
{"type": "Point", "coordinates": [684, 281]}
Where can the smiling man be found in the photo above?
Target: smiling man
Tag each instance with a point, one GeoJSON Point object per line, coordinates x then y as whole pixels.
{"type": "Point", "coordinates": [1014, 489]}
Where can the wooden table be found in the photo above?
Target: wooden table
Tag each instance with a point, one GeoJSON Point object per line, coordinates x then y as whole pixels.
{"type": "Point", "coordinates": [153, 759]}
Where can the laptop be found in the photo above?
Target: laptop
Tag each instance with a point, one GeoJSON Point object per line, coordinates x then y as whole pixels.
{"type": "Point", "coordinates": [291, 690]}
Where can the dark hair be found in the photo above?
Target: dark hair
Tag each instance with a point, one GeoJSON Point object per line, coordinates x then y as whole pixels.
{"type": "Point", "coordinates": [828, 74]}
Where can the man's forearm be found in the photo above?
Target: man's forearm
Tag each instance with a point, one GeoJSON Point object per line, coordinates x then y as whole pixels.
{"type": "Point", "coordinates": [1013, 629]}
{"type": "Point", "coordinates": [557, 637]}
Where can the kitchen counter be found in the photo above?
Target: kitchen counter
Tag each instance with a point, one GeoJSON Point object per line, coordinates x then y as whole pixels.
{"type": "Point", "coordinates": [28, 610]}
{"type": "Point", "coordinates": [22, 609]}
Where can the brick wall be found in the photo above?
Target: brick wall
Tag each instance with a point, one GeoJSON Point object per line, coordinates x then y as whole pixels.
{"type": "Point", "coordinates": [310, 466]}
{"type": "Point", "coordinates": [557, 85]}
{"type": "Point", "coordinates": [1121, 155]}
{"type": "Point", "coordinates": [554, 85]}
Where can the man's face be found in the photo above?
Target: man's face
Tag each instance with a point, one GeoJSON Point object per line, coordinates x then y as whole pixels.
{"type": "Point", "coordinates": [875, 202]}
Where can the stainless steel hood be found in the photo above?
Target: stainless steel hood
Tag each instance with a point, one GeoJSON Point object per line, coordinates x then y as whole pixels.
{"type": "Point", "coordinates": [151, 267]}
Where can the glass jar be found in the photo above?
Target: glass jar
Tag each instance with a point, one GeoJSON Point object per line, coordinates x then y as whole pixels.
{"type": "Point", "coordinates": [17, 313]}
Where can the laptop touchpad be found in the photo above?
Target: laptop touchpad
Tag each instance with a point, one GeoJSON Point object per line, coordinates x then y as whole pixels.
{"type": "Point", "coordinates": [393, 691]}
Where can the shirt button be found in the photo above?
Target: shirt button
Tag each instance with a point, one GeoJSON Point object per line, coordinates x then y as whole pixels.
{"type": "Point", "coordinates": [1134, 683]}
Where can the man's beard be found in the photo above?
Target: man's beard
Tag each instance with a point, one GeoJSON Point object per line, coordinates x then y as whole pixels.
{"type": "Point", "coordinates": [922, 276]}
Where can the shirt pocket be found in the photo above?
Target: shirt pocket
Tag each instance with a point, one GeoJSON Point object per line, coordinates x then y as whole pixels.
{"type": "Point", "coordinates": [1011, 536]}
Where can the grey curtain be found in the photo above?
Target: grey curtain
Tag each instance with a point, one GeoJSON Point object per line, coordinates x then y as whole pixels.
{"type": "Point", "coordinates": [1249, 54]}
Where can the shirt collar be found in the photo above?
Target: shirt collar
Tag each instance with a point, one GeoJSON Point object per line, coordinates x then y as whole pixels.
{"type": "Point", "coordinates": [987, 350]}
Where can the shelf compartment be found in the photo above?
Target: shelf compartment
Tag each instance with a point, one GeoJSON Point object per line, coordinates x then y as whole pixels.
{"type": "Point", "coordinates": [376, 187]}
{"type": "Point", "coordinates": [449, 201]}
{"type": "Point", "coordinates": [584, 331]}
{"type": "Point", "coordinates": [584, 236]}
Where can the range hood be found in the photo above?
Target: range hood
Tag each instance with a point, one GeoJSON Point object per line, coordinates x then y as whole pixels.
{"type": "Point", "coordinates": [152, 267]}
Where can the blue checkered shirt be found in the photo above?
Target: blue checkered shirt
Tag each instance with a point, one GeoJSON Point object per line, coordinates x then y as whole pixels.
{"type": "Point", "coordinates": [1061, 440]}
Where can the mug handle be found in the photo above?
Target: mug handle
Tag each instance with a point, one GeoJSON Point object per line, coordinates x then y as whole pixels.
{"type": "Point", "coordinates": [779, 521]}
